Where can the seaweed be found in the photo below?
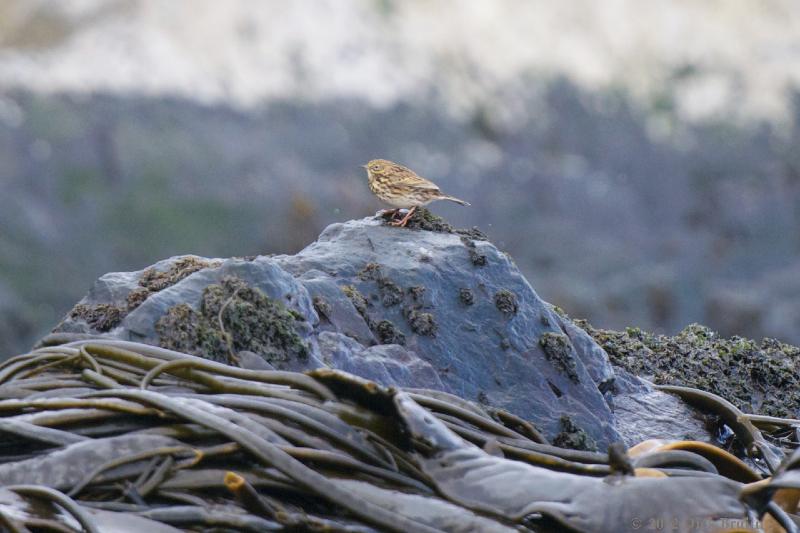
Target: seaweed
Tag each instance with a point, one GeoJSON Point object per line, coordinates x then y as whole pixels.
{"type": "Point", "coordinates": [560, 352]}
{"type": "Point", "coordinates": [196, 444]}
{"type": "Point", "coordinates": [233, 317]}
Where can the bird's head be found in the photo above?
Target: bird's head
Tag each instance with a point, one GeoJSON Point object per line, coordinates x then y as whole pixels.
{"type": "Point", "coordinates": [377, 166]}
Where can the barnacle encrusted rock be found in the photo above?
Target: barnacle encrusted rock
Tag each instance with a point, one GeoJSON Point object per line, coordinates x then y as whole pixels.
{"type": "Point", "coordinates": [761, 377]}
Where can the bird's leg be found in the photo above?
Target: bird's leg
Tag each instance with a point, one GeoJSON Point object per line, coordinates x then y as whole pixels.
{"type": "Point", "coordinates": [388, 214]}
{"type": "Point", "coordinates": [406, 218]}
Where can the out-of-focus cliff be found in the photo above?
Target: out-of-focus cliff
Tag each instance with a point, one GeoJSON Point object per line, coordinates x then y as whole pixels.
{"type": "Point", "coordinates": [634, 179]}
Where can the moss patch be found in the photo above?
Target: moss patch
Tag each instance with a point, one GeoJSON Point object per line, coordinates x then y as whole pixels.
{"type": "Point", "coordinates": [756, 377]}
{"type": "Point", "coordinates": [153, 280]}
{"type": "Point", "coordinates": [100, 317]}
{"type": "Point", "coordinates": [506, 302]}
{"type": "Point", "coordinates": [233, 317]}
{"type": "Point", "coordinates": [559, 351]}
{"type": "Point", "coordinates": [573, 437]}
{"type": "Point", "coordinates": [422, 219]}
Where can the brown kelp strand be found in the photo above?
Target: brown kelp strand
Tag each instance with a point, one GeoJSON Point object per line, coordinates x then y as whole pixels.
{"type": "Point", "coordinates": [63, 501]}
{"type": "Point", "coordinates": [167, 438]}
{"type": "Point", "coordinates": [268, 454]}
{"type": "Point", "coordinates": [750, 436]}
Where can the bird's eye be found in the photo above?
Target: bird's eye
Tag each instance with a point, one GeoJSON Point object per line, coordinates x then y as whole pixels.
{"type": "Point", "coordinates": [376, 167]}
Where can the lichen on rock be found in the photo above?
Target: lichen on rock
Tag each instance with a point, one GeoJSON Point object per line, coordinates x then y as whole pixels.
{"type": "Point", "coordinates": [233, 317]}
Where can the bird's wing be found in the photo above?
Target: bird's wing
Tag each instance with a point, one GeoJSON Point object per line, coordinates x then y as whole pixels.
{"type": "Point", "coordinates": [416, 182]}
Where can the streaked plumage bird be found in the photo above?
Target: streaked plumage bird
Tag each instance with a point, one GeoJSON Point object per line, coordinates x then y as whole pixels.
{"type": "Point", "coordinates": [401, 187]}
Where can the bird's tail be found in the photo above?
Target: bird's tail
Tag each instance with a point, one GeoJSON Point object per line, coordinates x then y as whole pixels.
{"type": "Point", "coordinates": [454, 199]}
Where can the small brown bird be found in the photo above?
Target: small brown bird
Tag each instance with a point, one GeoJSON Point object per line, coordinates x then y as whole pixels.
{"type": "Point", "coordinates": [400, 187]}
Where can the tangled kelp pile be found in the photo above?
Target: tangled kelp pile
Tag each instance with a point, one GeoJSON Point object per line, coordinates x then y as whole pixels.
{"type": "Point", "coordinates": [105, 435]}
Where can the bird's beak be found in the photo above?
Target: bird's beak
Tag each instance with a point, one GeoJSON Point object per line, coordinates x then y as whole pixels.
{"type": "Point", "coordinates": [363, 166]}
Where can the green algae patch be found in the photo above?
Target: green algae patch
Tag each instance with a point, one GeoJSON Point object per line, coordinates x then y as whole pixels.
{"type": "Point", "coordinates": [101, 317]}
{"type": "Point", "coordinates": [756, 377]}
{"type": "Point", "coordinates": [506, 302]}
{"type": "Point", "coordinates": [573, 437]}
{"type": "Point", "coordinates": [234, 317]}
{"type": "Point", "coordinates": [153, 280]}
{"type": "Point", "coordinates": [559, 351]}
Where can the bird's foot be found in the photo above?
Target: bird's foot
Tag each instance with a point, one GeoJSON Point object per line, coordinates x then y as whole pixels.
{"type": "Point", "coordinates": [402, 223]}
{"type": "Point", "coordinates": [387, 214]}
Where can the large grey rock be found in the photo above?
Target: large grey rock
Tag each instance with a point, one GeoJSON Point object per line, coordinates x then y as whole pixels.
{"type": "Point", "coordinates": [402, 307]}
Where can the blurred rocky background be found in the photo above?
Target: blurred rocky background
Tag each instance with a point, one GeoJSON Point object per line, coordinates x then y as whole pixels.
{"type": "Point", "coordinates": [640, 161]}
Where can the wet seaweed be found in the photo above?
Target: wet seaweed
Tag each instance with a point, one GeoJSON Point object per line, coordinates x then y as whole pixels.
{"type": "Point", "coordinates": [203, 445]}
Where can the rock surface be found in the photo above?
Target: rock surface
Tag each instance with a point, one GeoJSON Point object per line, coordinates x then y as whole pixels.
{"type": "Point", "coordinates": [407, 307]}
